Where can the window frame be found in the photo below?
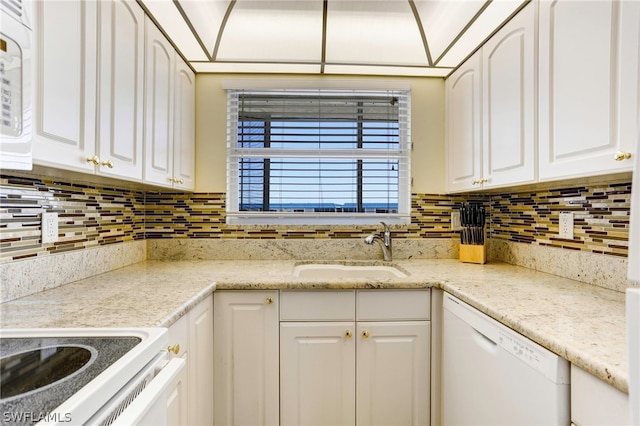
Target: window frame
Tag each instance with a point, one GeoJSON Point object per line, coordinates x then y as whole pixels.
{"type": "Point", "coordinates": [402, 155]}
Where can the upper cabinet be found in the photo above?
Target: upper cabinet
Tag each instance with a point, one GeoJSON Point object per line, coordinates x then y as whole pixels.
{"type": "Point", "coordinates": [90, 111]}
{"type": "Point", "coordinates": [170, 115]}
{"type": "Point", "coordinates": [464, 121]}
{"type": "Point", "coordinates": [584, 113]}
{"type": "Point", "coordinates": [121, 88]}
{"type": "Point", "coordinates": [508, 103]}
{"type": "Point", "coordinates": [65, 99]}
{"type": "Point", "coordinates": [490, 111]}
{"type": "Point", "coordinates": [588, 93]}
{"type": "Point", "coordinates": [184, 127]}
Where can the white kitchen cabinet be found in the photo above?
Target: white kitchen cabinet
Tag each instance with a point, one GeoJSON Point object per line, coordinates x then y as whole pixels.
{"type": "Point", "coordinates": [158, 123]}
{"type": "Point", "coordinates": [246, 358]}
{"type": "Point", "coordinates": [588, 87]}
{"type": "Point", "coordinates": [177, 394]}
{"type": "Point", "coordinates": [169, 140]}
{"type": "Point", "coordinates": [191, 396]}
{"type": "Point", "coordinates": [508, 95]}
{"type": "Point", "coordinates": [596, 403]}
{"type": "Point", "coordinates": [65, 90]}
{"type": "Point", "coordinates": [88, 107]}
{"type": "Point", "coordinates": [392, 373]}
{"type": "Point", "coordinates": [317, 379]}
{"type": "Point", "coordinates": [121, 88]}
{"type": "Point", "coordinates": [184, 125]}
{"type": "Point", "coordinates": [490, 111]}
{"type": "Point", "coordinates": [336, 371]}
{"type": "Point", "coordinates": [463, 127]}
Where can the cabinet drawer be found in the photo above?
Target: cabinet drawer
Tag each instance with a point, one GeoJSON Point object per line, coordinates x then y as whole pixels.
{"type": "Point", "coordinates": [384, 305]}
{"type": "Point", "coordinates": [317, 305]}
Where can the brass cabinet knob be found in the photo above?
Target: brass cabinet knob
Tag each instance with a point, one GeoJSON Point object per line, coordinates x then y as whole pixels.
{"type": "Point", "coordinates": [483, 180]}
{"type": "Point", "coordinates": [95, 160]}
{"type": "Point", "coordinates": [176, 180]}
{"type": "Point", "coordinates": [108, 163]}
{"type": "Point", "coordinates": [365, 334]}
{"type": "Point", "coordinates": [621, 155]}
{"type": "Point", "coordinates": [269, 300]}
{"type": "Point", "coordinates": [348, 334]}
{"type": "Point", "coordinates": [175, 349]}
{"type": "Point", "coordinates": [475, 182]}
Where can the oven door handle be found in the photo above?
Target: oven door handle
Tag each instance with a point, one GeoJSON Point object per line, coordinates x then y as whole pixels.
{"type": "Point", "coordinates": [150, 406]}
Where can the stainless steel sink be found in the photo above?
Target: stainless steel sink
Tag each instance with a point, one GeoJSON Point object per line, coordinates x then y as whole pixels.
{"type": "Point", "coordinates": [346, 271]}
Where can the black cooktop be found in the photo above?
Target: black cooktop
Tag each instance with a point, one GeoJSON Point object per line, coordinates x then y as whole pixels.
{"type": "Point", "coordinates": [38, 374]}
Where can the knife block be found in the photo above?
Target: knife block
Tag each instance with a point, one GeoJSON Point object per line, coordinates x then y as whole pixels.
{"type": "Point", "coordinates": [473, 253]}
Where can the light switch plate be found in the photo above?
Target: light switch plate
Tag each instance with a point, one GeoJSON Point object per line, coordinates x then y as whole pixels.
{"type": "Point", "coordinates": [455, 221]}
{"type": "Point", "coordinates": [566, 226]}
{"type": "Point", "coordinates": [49, 227]}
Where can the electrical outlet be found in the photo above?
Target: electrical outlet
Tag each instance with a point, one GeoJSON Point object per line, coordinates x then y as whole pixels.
{"type": "Point", "coordinates": [49, 227]}
{"type": "Point", "coordinates": [455, 221]}
{"type": "Point", "coordinates": [566, 226]}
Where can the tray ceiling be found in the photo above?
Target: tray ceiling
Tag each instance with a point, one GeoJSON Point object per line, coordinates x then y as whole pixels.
{"type": "Point", "coordinates": [376, 37]}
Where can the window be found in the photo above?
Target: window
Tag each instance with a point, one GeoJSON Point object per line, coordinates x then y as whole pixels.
{"type": "Point", "coordinates": [318, 156]}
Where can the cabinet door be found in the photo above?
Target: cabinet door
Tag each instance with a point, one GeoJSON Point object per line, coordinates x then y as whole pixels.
{"type": "Point", "coordinates": [246, 358]}
{"type": "Point", "coordinates": [585, 83]}
{"type": "Point", "coordinates": [184, 140]}
{"type": "Point", "coordinates": [65, 90]}
{"type": "Point", "coordinates": [393, 378]}
{"type": "Point", "coordinates": [508, 143]}
{"type": "Point", "coordinates": [158, 135]}
{"type": "Point", "coordinates": [177, 412]}
{"type": "Point", "coordinates": [463, 106]}
{"type": "Point", "coordinates": [121, 91]}
{"type": "Point", "coordinates": [177, 397]}
{"type": "Point", "coordinates": [595, 403]}
{"type": "Point", "coordinates": [201, 359]}
{"type": "Point", "coordinates": [317, 373]}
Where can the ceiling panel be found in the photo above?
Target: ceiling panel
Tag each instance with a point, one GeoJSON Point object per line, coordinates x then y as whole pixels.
{"type": "Point", "coordinates": [443, 20]}
{"type": "Point", "coordinates": [373, 32]}
{"type": "Point", "coordinates": [206, 18]}
{"type": "Point", "coordinates": [274, 31]}
{"type": "Point", "coordinates": [169, 19]}
{"type": "Point", "coordinates": [375, 37]}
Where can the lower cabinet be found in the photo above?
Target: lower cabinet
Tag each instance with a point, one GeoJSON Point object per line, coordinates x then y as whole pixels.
{"type": "Point", "coordinates": [322, 357]}
{"type": "Point", "coordinates": [246, 358]}
{"type": "Point", "coordinates": [355, 357]}
{"type": "Point", "coordinates": [190, 395]}
{"type": "Point", "coordinates": [595, 402]}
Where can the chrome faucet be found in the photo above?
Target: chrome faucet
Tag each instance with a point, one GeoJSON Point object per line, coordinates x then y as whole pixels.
{"type": "Point", "coordinates": [385, 242]}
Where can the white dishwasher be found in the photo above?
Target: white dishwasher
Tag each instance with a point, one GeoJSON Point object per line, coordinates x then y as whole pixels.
{"type": "Point", "coordinates": [492, 375]}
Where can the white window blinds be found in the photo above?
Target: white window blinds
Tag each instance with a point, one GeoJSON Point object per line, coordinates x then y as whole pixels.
{"type": "Point", "coordinates": [318, 156]}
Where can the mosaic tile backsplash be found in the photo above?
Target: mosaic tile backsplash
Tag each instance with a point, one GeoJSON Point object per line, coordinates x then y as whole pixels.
{"type": "Point", "coordinates": [91, 216]}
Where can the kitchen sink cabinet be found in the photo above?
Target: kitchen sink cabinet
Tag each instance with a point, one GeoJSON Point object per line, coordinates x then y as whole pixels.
{"type": "Point", "coordinates": [189, 398]}
{"type": "Point", "coordinates": [246, 358]}
{"type": "Point", "coordinates": [169, 114]}
{"type": "Point", "coordinates": [596, 403]}
{"type": "Point", "coordinates": [588, 87]}
{"type": "Point", "coordinates": [490, 111]}
{"type": "Point", "coordinates": [340, 371]}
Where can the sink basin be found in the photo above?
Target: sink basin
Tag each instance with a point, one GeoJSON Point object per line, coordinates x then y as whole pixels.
{"type": "Point", "coordinates": [340, 271]}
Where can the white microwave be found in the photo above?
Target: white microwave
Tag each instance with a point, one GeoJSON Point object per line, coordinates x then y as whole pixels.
{"type": "Point", "coordinates": [15, 84]}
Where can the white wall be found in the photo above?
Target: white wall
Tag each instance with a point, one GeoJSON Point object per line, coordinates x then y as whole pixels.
{"type": "Point", "coordinates": [427, 128]}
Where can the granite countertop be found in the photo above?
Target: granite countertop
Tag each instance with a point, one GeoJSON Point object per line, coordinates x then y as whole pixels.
{"type": "Point", "coordinates": [582, 323]}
